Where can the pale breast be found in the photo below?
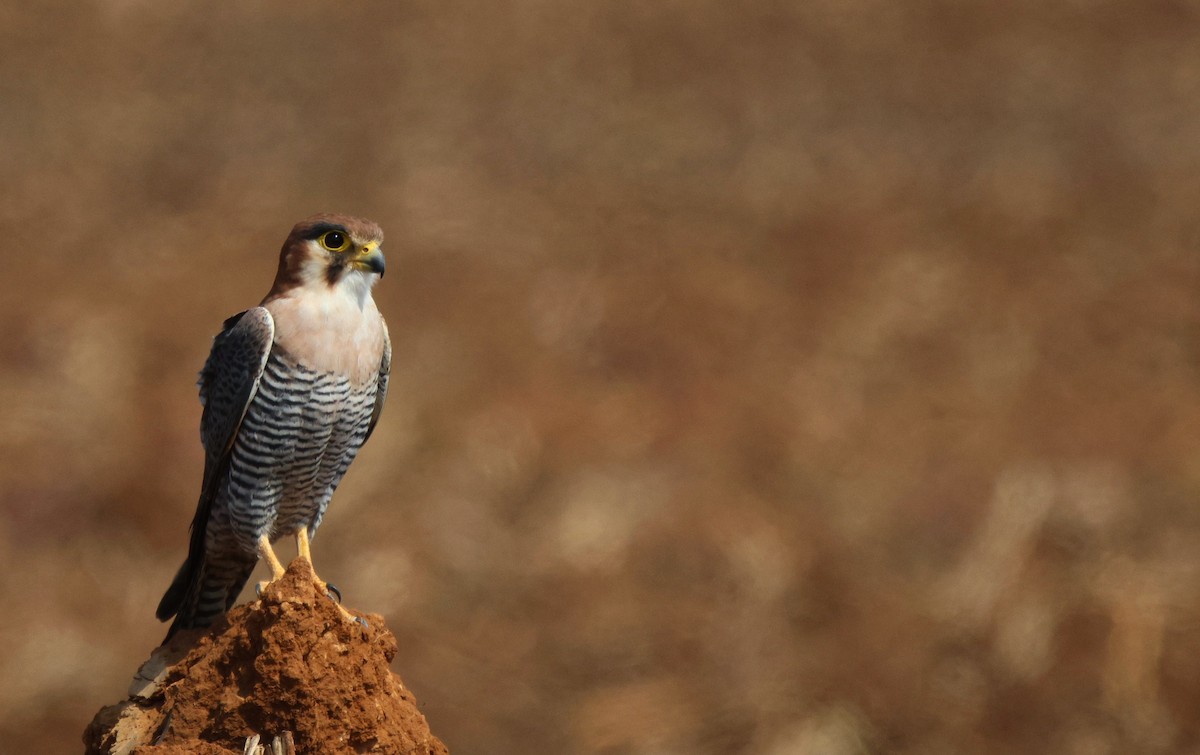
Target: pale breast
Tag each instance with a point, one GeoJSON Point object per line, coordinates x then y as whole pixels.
{"type": "Point", "coordinates": [328, 332]}
{"type": "Point", "coordinates": [299, 436]}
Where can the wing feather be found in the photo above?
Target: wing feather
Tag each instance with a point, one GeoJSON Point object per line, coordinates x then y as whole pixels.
{"type": "Point", "coordinates": [227, 384]}
{"type": "Point", "coordinates": [385, 369]}
{"type": "Point", "coordinates": [230, 378]}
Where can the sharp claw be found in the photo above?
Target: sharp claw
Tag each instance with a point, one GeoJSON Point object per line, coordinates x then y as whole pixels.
{"type": "Point", "coordinates": [334, 593]}
{"type": "Point", "coordinates": [362, 621]}
{"type": "Point", "coordinates": [258, 590]}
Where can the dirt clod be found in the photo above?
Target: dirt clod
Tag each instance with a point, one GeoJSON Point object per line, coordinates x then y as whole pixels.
{"type": "Point", "coordinates": [286, 662]}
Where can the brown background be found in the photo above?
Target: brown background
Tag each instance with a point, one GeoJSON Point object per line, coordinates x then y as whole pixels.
{"type": "Point", "coordinates": [770, 377]}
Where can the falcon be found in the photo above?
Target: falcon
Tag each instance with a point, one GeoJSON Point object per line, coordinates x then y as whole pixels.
{"type": "Point", "coordinates": [290, 392]}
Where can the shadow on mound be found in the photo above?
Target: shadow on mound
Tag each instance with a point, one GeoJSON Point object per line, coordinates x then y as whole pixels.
{"type": "Point", "coordinates": [289, 662]}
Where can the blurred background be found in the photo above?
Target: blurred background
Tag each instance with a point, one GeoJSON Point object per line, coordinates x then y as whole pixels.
{"type": "Point", "coordinates": [809, 377]}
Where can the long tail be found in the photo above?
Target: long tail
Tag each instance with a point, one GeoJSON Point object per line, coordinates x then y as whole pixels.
{"type": "Point", "coordinates": [203, 589]}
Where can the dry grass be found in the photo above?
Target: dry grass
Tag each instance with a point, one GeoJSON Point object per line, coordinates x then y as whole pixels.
{"type": "Point", "coordinates": [770, 377]}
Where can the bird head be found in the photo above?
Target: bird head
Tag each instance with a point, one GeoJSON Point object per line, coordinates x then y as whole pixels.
{"type": "Point", "coordinates": [333, 252]}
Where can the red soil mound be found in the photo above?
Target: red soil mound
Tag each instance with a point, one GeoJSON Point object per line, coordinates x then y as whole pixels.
{"type": "Point", "coordinates": [288, 662]}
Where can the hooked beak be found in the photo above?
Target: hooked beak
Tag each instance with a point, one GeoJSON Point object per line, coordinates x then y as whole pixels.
{"type": "Point", "coordinates": [371, 258]}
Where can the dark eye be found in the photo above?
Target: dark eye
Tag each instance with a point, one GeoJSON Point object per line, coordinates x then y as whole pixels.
{"type": "Point", "coordinates": [334, 241]}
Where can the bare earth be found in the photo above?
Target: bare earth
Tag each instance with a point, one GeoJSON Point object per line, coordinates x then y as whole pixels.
{"type": "Point", "coordinates": [288, 662]}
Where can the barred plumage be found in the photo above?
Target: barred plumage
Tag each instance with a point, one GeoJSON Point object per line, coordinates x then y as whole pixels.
{"type": "Point", "coordinates": [291, 391]}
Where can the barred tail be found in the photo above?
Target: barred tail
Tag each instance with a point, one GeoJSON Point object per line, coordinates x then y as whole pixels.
{"type": "Point", "coordinates": [203, 589]}
{"type": "Point", "coordinates": [176, 595]}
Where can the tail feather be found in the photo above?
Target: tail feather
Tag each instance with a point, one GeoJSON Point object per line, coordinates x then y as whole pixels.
{"type": "Point", "coordinates": [176, 595]}
{"type": "Point", "coordinates": [202, 591]}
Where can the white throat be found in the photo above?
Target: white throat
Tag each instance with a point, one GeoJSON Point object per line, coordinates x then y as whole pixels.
{"type": "Point", "coordinates": [354, 285]}
{"type": "Point", "coordinates": [357, 284]}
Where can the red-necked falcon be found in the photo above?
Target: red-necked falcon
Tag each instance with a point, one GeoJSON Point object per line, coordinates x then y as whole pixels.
{"type": "Point", "coordinates": [291, 391]}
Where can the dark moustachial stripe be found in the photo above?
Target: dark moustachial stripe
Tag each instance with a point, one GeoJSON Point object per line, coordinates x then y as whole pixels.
{"type": "Point", "coordinates": [334, 272]}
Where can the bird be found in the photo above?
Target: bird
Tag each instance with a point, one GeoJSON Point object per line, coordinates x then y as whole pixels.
{"type": "Point", "coordinates": [291, 390]}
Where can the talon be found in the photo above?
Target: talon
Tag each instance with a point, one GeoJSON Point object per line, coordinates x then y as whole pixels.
{"type": "Point", "coordinates": [332, 591]}
{"type": "Point", "coordinates": [362, 621]}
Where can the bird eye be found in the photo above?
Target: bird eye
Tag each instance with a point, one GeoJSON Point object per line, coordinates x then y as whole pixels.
{"type": "Point", "coordinates": [334, 241]}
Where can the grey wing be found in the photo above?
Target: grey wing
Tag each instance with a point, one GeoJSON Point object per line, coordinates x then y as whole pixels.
{"type": "Point", "coordinates": [385, 369]}
{"type": "Point", "coordinates": [228, 383]}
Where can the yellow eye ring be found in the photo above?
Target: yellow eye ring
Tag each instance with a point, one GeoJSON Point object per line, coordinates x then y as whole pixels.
{"type": "Point", "coordinates": [334, 241]}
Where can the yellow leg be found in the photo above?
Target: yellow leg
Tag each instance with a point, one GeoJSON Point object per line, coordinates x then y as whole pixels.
{"type": "Point", "coordinates": [304, 550]}
{"type": "Point", "coordinates": [267, 554]}
{"type": "Point", "coordinates": [303, 547]}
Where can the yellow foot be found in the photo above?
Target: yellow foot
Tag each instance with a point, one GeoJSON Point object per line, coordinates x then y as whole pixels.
{"type": "Point", "coordinates": [336, 596]}
{"type": "Point", "coordinates": [305, 552]}
{"type": "Point", "coordinates": [267, 554]}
